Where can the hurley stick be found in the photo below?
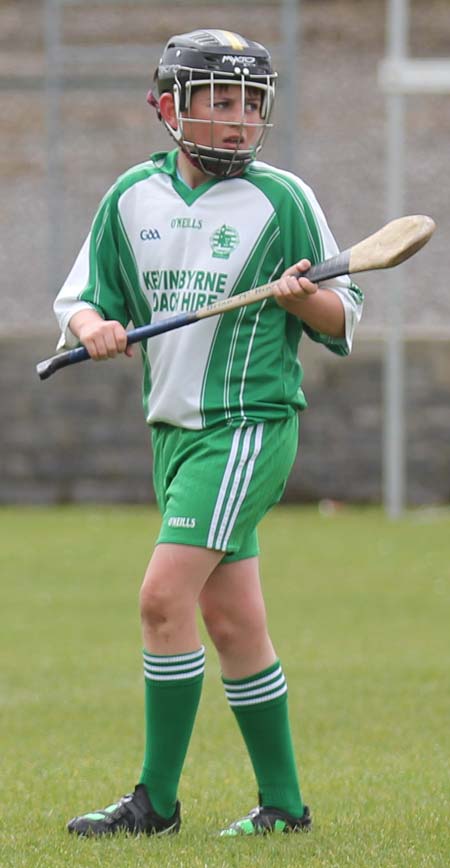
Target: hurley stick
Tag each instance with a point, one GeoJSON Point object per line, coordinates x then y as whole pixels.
{"type": "Point", "coordinates": [392, 244]}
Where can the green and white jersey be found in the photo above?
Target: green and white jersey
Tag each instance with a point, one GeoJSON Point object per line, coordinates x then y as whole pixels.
{"type": "Point", "coordinates": [158, 248]}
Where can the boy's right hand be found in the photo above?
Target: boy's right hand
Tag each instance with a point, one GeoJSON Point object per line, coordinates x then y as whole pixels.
{"type": "Point", "coordinates": [103, 339]}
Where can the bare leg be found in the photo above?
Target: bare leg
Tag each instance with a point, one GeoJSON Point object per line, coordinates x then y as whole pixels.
{"type": "Point", "coordinates": [234, 612]}
{"type": "Point", "coordinates": [233, 609]}
{"type": "Point", "coordinates": [173, 664]}
{"type": "Point", "coordinates": [169, 595]}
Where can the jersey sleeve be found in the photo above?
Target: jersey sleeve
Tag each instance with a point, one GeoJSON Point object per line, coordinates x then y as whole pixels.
{"type": "Point", "coordinates": [349, 293]}
{"type": "Point", "coordinates": [95, 280]}
{"type": "Point", "coordinates": [305, 234]}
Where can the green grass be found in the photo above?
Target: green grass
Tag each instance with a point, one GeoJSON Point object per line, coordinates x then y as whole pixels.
{"type": "Point", "coordinates": [359, 611]}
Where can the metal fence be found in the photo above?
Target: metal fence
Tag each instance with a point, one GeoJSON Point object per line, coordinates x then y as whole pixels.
{"type": "Point", "coordinates": [400, 76]}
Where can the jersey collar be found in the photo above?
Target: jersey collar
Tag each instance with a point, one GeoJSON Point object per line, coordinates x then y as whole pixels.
{"type": "Point", "coordinates": [167, 162]}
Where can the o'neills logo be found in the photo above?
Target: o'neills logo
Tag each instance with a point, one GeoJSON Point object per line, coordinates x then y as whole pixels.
{"type": "Point", "coordinates": [181, 521]}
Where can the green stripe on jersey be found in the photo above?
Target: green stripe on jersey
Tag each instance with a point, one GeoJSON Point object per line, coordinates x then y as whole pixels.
{"type": "Point", "coordinates": [303, 229]}
{"type": "Point", "coordinates": [299, 227]}
{"type": "Point", "coordinates": [113, 284]}
{"type": "Point", "coordinates": [247, 377]}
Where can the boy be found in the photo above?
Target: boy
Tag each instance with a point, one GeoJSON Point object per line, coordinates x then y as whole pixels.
{"type": "Point", "coordinates": [199, 223]}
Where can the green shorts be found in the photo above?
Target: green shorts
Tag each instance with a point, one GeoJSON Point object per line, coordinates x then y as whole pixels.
{"type": "Point", "coordinates": [214, 486]}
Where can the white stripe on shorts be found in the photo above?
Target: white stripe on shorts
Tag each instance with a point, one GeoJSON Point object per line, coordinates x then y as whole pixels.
{"type": "Point", "coordinates": [218, 539]}
{"type": "Point", "coordinates": [223, 487]}
{"type": "Point", "coordinates": [247, 480]}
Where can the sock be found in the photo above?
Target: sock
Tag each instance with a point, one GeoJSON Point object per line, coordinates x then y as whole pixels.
{"type": "Point", "coordinates": [172, 693]}
{"type": "Point", "coordinates": [261, 709]}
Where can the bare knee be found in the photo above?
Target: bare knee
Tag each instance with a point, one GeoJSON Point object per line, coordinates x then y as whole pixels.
{"type": "Point", "coordinates": [221, 630]}
{"type": "Point", "coordinates": [155, 606]}
{"type": "Point", "coordinates": [169, 595]}
{"type": "Point", "coordinates": [231, 629]}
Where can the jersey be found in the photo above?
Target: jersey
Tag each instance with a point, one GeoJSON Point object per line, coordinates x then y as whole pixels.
{"type": "Point", "coordinates": [158, 248]}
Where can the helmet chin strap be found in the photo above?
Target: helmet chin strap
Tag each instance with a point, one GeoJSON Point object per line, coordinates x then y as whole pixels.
{"type": "Point", "coordinates": [219, 163]}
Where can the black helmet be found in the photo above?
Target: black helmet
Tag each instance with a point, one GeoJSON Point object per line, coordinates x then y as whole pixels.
{"type": "Point", "coordinates": [209, 57]}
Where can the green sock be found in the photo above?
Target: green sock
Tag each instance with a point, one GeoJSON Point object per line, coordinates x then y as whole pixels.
{"type": "Point", "coordinates": [260, 706]}
{"type": "Point", "coordinates": [172, 693]}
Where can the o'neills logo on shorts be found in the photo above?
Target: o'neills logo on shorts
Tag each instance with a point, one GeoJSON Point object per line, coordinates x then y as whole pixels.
{"type": "Point", "coordinates": [181, 521]}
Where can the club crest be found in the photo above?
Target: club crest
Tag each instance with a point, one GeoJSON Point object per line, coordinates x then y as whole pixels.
{"type": "Point", "coordinates": [223, 241]}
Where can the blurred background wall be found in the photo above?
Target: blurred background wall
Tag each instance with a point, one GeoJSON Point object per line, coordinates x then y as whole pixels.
{"type": "Point", "coordinates": [81, 435]}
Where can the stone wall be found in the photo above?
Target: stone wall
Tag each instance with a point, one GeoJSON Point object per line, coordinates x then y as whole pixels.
{"type": "Point", "coordinates": [80, 436]}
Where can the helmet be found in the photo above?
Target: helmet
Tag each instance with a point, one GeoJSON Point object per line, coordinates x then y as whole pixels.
{"type": "Point", "coordinates": [211, 57]}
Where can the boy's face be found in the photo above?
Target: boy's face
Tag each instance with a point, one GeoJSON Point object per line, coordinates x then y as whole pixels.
{"type": "Point", "coordinates": [231, 112]}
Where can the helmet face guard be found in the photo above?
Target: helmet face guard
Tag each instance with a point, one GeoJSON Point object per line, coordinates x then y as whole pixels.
{"type": "Point", "coordinates": [220, 162]}
{"type": "Point", "coordinates": [211, 62]}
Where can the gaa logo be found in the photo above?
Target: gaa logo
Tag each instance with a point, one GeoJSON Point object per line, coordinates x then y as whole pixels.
{"type": "Point", "coordinates": [150, 235]}
{"type": "Point", "coordinates": [223, 241]}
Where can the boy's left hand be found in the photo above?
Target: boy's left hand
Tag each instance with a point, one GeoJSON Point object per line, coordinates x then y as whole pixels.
{"type": "Point", "coordinates": [289, 288]}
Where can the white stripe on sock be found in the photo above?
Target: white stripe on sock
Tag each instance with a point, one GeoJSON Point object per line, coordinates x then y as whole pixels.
{"type": "Point", "coordinates": [174, 668]}
{"type": "Point", "coordinates": [260, 691]}
{"type": "Point", "coordinates": [235, 702]}
{"type": "Point", "coordinates": [152, 677]}
{"type": "Point", "coordinates": [256, 681]}
{"type": "Point", "coordinates": [176, 658]}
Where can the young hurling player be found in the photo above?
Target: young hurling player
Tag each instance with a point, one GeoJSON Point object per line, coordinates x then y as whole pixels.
{"type": "Point", "coordinates": [203, 222]}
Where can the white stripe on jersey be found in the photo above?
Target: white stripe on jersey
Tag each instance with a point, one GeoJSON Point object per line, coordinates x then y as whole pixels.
{"type": "Point", "coordinates": [250, 345]}
{"type": "Point", "coordinates": [235, 335]}
{"type": "Point", "coordinates": [329, 247]}
{"type": "Point", "coordinates": [98, 243]}
{"type": "Point", "coordinates": [229, 367]}
{"type": "Point", "coordinates": [319, 254]}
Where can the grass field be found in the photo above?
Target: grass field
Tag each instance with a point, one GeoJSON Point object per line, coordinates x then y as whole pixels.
{"type": "Point", "coordinates": [359, 611]}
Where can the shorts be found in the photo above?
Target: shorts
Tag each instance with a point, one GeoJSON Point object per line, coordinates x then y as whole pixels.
{"type": "Point", "coordinates": [214, 486]}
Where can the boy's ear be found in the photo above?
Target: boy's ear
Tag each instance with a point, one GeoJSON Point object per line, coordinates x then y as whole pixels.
{"type": "Point", "coordinates": [167, 109]}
